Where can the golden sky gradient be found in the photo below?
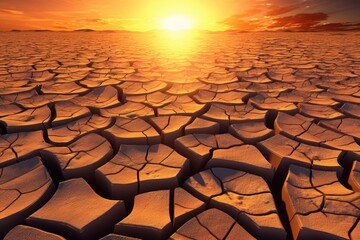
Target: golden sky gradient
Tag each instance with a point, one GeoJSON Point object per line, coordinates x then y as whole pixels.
{"type": "Point", "coordinates": [214, 15]}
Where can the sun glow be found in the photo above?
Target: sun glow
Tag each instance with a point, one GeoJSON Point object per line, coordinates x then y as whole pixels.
{"type": "Point", "coordinates": [177, 23]}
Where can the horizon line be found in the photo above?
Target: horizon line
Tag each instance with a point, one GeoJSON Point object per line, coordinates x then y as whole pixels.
{"type": "Point", "coordinates": [190, 30]}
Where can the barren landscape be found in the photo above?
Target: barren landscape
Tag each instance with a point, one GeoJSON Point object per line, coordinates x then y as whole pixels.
{"type": "Point", "coordinates": [118, 135]}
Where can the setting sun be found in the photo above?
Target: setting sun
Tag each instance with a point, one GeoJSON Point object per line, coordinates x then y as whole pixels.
{"type": "Point", "coordinates": [177, 23]}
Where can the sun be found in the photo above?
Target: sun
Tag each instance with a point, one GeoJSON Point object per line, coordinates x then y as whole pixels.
{"type": "Point", "coordinates": [177, 23]}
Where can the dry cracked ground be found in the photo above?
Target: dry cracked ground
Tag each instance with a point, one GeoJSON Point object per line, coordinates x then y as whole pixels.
{"type": "Point", "coordinates": [141, 136]}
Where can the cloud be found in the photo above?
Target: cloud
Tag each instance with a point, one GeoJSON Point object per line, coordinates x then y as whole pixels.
{"type": "Point", "coordinates": [247, 22]}
{"type": "Point", "coordinates": [245, 25]}
{"type": "Point", "coordinates": [267, 9]}
{"type": "Point", "coordinates": [11, 12]}
{"type": "Point", "coordinates": [61, 27]}
{"type": "Point", "coordinates": [256, 10]}
{"type": "Point", "coordinates": [93, 20]}
{"type": "Point", "coordinates": [259, 16]}
{"type": "Point", "coordinates": [279, 10]}
{"type": "Point", "coordinates": [238, 22]}
{"type": "Point", "coordinates": [336, 27]}
{"type": "Point", "coordinates": [302, 21]}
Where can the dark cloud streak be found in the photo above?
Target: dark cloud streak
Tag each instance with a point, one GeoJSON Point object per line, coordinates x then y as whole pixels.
{"type": "Point", "coordinates": [11, 12]}
{"type": "Point", "coordinates": [302, 21]}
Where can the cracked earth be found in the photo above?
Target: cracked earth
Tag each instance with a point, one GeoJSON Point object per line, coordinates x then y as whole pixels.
{"type": "Point", "coordinates": [130, 136]}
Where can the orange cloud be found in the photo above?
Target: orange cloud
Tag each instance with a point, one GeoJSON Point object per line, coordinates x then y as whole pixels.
{"type": "Point", "coordinates": [279, 10]}
{"type": "Point", "coordinates": [11, 12]}
{"type": "Point", "coordinates": [302, 21]}
{"type": "Point", "coordinates": [337, 27]}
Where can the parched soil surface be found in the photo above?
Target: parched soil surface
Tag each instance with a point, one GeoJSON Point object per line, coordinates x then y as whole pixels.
{"type": "Point", "coordinates": [111, 135]}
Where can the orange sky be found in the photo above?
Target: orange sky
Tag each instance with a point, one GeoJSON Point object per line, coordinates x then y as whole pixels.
{"type": "Point", "coordinates": [143, 15]}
